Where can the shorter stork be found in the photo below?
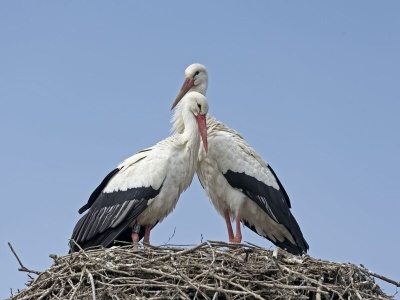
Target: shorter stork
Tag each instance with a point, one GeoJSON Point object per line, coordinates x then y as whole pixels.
{"type": "Point", "coordinates": [144, 188]}
{"type": "Point", "coordinates": [240, 184]}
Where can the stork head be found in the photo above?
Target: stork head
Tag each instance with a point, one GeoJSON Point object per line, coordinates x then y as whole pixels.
{"type": "Point", "coordinates": [196, 79]}
{"type": "Point", "coordinates": [198, 106]}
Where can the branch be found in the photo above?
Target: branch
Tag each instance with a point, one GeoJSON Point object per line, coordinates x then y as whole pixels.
{"type": "Point", "coordinates": [388, 280]}
{"type": "Point", "coordinates": [92, 284]}
{"type": "Point", "coordinates": [173, 234]}
{"type": "Point", "coordinates": [23, 268]}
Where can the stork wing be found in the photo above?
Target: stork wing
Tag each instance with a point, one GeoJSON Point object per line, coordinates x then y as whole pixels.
{"type": "Point", "coordinates": [273, 203]}
{"type": "Point", "coordinates": [244, 170]}
{"type": "Point", "coordinates": [114, 205]}
{"type": "Point", "coordinates": [110, 215]}
{"type": "Point", "coordinates": [96, 193]}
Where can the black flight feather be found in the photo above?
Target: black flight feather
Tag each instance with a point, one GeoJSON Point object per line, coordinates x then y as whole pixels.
{"type": "Point", "coordinates": [274, 202]}
{"type": "Point", "coordinates": [98, 190]}
{"type": "Point", "coordinates": [110, 216]}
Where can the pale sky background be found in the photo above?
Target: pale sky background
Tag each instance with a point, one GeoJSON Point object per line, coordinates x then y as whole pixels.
{"type": "Point", "coordinates": [313, 86]}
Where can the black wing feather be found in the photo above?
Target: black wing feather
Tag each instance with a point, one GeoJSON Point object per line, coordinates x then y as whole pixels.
{"type": "Point", "coordinates": [286, 244]}
{"type": "Point", "coordinates": [285, 195]}
{"type": "Point", "coordinates": [110, 215]}
{"type": "Point", "coordinates": [274, 202]}
{"type": "Point", "coordinates": [96, 193]}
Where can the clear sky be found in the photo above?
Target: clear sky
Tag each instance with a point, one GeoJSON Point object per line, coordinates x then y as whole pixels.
{"type": "Point", "coordinates": [313, 86]}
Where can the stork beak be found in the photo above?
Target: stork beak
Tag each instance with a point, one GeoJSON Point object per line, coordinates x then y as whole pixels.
{"type": "Point", "coordinates": [187, 85]}
{"type": "Point", "coordinates": [201, 121]}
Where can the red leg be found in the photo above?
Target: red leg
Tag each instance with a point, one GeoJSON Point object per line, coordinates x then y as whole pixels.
{"type": "Point", "coordinates": [238, 236]}
{"type": "Point", "coordinates": [135, 241]}
{"type": "Point", "coordinates": [229, 227]}
{"type": "Point", "coordinates": [146, 239]}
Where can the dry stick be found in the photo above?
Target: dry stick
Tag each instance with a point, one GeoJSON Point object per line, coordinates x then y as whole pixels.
{"type": "Point", "coordinates": [92, 284]}
{"type": "Point", "coordinates": [184, 294]}
{"type": "Point", "coordinates": [215, 296]}
{"type": "Point", "coordinates": [31, 296]}
{"type": "Point", "coordinates": [254, 245]}
{"type": "Point", "coordinates": [318, 295]}
{"type": "Point", "coordinates": [173, 234]}
{"type": "Point", "coordinates": [23, 268]}
{"type": "Point", "coordinates": [15, 254]}
{"type": "Point", "coordinates": [61, 293]}
{"type": "Point", "coordinates": [225, 244]}
{"type": "Point", "coordinates": [198, 290]}
{"type": "Point", "coordinates": [388, 280]}
{"type": "Point", "coordinates": [76, 287]}
{"type": "Point", "coordinates": [351, 274]}
{"type": "Point", "coordinates": [163, 247]}
{"type": "Point", "coordinates": [48, 291]}
{"type": "Point", "coordinates": [204, 274]}
{"type": "Point", "coordinates": [275, 258]}
{"type": "Point", "coordinates": [176, 253]}
{"type": "Point", "coordinates": [311, 280]}
{"type": "Point", "coordinates": [277, 284]}
{"type": "Point", "coordinates": [256, 296]}
{"type": "Point", "coordinates": [80, 248]}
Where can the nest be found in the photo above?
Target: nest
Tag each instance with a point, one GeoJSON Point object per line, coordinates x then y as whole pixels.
{"type": "Point", "coordinates": [210, 270]}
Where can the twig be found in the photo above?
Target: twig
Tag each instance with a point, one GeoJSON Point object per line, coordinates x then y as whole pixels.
{"type": "Point", "coordinates": [23, 268]}
{"type": "Point", "coordinates": [275, 254]}
{"type": "Point", "coordinates": [178, 253]}
{"type": "Point", "coordinates": [92, 284]}
{"type": "Point", "coordinates": [80, 248]}
{"type": "Point", "coordinates": [75, 288]}
{"type": "Point", "coordinates": [388, 280]}
{"type": "Point", "coordinates": [173, 234]}
{"type": "Point", "coordinates": [48, 291]}
{"type": "Point", "coordinates": [318, 294]}
{"type": "Point", "coordinates": [253, 245]}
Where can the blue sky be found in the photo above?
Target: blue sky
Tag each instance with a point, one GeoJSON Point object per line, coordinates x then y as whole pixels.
{"type": "Point", "coordinates": [312, 86]}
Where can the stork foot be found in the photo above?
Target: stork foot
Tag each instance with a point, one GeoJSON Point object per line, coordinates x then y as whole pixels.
{"type": "Point", "coordinates": [237, 239]}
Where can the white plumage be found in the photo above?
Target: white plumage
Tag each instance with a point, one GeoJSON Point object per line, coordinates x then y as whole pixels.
{"type": "Point", "coordinates": [145, 188]}
{"type": "Point", "coordinates": [239, 183]}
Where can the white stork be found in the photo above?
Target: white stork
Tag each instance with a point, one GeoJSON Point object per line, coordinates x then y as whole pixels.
{"type": "Point", "coordinates": [144, 188]}
{"type": "Point", "coordinates": [239, 183]}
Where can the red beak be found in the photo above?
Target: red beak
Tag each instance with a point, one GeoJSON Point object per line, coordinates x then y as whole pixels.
{"type": "Point", "coordinates": [201, 121]}
{"type": "Point", "coordinates": [187, 85]}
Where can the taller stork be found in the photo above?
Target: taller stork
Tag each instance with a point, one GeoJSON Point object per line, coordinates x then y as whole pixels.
{"type": "Point", "coordinates": [144, 188]}
{"type": "Point", "coordinates": [240, 184]}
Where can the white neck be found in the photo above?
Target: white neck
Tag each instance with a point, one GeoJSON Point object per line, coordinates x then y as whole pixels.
{"type": "Point", "coordinates": [177, 119]}
{"type": "Point", "coordinates": [190, 132]}
{"type": "Point", "coordinates": [189, 139]}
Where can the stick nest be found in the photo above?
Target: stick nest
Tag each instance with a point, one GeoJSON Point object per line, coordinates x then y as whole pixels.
{"type": "Point", "coordinates": [210, 270]}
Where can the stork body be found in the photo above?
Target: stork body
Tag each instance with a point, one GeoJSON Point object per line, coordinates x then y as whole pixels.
{"type": "Point", "coordinates": [144, 188]}
{"type": "Point", "coordinates": [240, 184]}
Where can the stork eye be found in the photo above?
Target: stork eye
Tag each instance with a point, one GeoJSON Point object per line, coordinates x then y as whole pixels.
{"type": "Point", "coordinates": [199, 106]}
{"type": "Point", "coordinates": [197, 73]}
